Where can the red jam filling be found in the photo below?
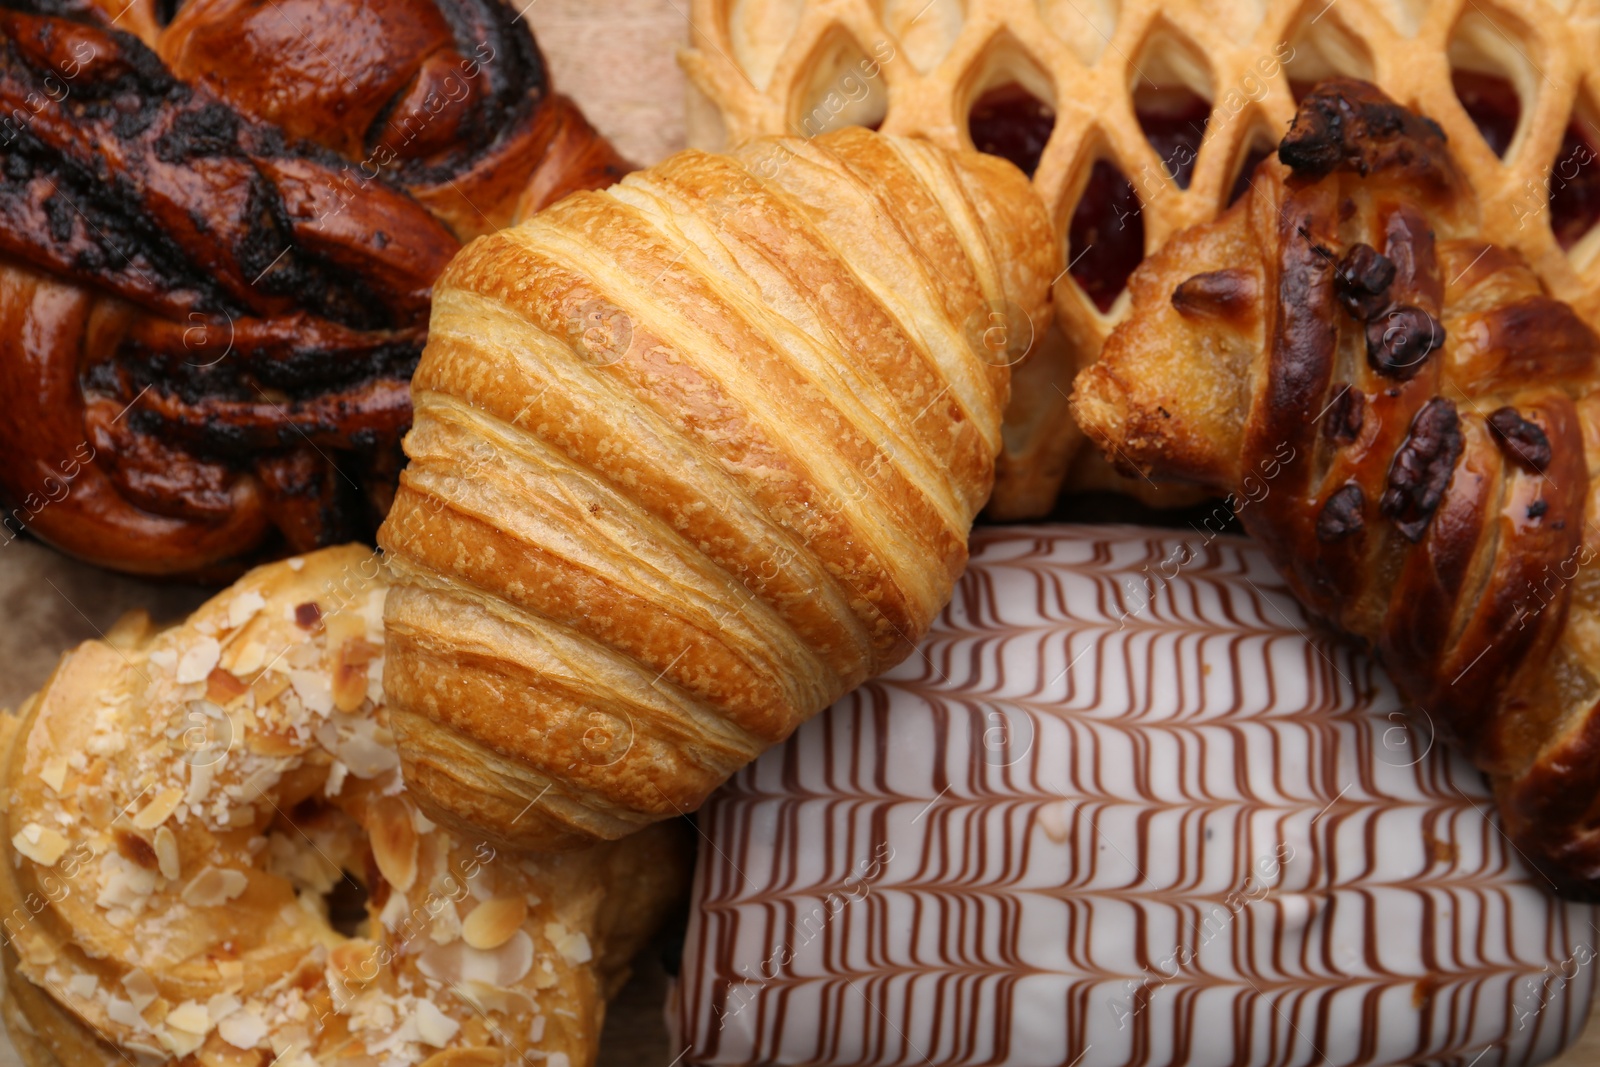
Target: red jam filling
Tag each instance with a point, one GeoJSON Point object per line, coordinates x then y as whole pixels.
{"type": "Point", "coordinates": [1495, 108]}
{"type": "Point", "coordinates": [1105, 241]}
{"type": "Point", "coordinates": [1493, 105]}
{"type": "Point", "coordinates": [1010, 122]}
{"type": "Point", "coordinates": [1575, 184]}
{"type": "Point", "coordinates": [1174, 119]}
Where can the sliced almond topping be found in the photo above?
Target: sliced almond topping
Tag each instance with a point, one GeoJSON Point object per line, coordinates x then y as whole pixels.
{"type": "Point", "coordinates": [243, 1029]}
{"type": "Point", "coordinates": [190, 1017]}
{"type": "Point", "coordinates": [201, 778]}
{"type": "Point", "coordinates": [355, 961]}
{"type": "Point", "coordinates": [249, 658]}
{"type": "Point", "coordinates": [243, 608]}
{"type": "Point", "coordinates": [501, 968]}
{"type": "Point", "coordinates": [336, 776]}
{"type": "Point", "coordinates": [434, 1027]}
{"type": "Point", "coordinates": [222, 1005]}
{"type": "Point", "coordinates": [396, 910]}
{"type": "Point", "coordinates": [222, 686]}
{"type": "Point", "coordinates": [347, 636]}
{"type": "Point", "coordinates": [214, 886]}
{"type": "Point", "coordinates": [273, 745]}
{"type": "Point", "coordinates": [123, 1013]}
{"type": "Point", "coordinates": [350, 673]}
{"type": "Point", "coordinates": [258, 782]}
{"type": "Point", "coordinates": [572, 944]}
{"type": "Point", "coordinates": [141, 988]}
{"type": "Point", "coordinates": [344, 626]}
{"type": "Point", "coordinates": [167, 853]}
{"type": "Point", "coordinates": [40, 844]}
{"type": "Point", "coordinates": [492, 923]}
{"type": "Point", "coordinates": [160, 809]}
{"type": "Point", "coordinates": [178, 1042]}
{"type": "Point", "coordinates": [394, 841]}
{"type": "Point", "coordinates": [54, 773]}
{"type": "Point", "coordinates": [314, 689]}
{"type": "Point", "coordinates": [446, 926]}
{"type": "Point", "coordinates": [269, 687]}
{"type": "Point", "coordinates": [197, 658]}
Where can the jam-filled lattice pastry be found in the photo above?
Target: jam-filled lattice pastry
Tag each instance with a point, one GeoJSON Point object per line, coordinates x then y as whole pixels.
{"type": "Point", "coordinates": [218, 230]}
{"type": "Point", "coordinates": [194, 816]}
{"type": "Point", "coordinates": [692, 457]}
{"type": "Point", "coordinates": [1409, 424]}
{"type": "Point", "coordinates": [1139, 118]}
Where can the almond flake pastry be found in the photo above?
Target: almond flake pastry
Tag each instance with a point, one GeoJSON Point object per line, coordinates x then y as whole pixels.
{"type": "Point", "coordinates": [194, 815]}
{"type": "Point", "coordinates": [1139, 118]}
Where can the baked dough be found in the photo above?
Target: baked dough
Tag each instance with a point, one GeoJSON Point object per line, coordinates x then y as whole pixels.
{"type": "Point", "coordinates": [1108, 74]}
{"type": "Point", "coordinates": [692, 457]}
{"type": "Point", "coordinates": [182, 805]}
{"type": "Point", "coordinates": [216, 249]}
{"type": "Point", "coordinates": [1407, 421]}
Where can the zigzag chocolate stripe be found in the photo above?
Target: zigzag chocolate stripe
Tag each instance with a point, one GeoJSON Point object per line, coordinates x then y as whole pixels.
{"type": "Point", "coordinates": [1122, 813]}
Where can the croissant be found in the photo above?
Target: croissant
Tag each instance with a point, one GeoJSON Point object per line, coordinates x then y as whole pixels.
{"type": "Point", "coordinates": [209, 857]}
{"type": "Point", "coordinates": [217, 240]}
{"type": "Point", "coordinates": [1408, 424]}
{"type": "Point", "coordinates": [693, 457]}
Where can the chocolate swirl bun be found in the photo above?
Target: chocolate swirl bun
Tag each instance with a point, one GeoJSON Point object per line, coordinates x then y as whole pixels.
{"type": "Point", "coordinates": [218, 237]}
{"type": "Point", "coordinates": [1408, 424]}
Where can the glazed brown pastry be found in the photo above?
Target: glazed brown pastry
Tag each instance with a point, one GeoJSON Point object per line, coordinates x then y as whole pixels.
{"type": "Point", "coordinates": [216, 250]}
{"type": "Point", "coordinates": [1408, 423]}
{"type": "Point", "coordinates": [194, 816]}
{"type": "Point", "coordinates": [692, 457]}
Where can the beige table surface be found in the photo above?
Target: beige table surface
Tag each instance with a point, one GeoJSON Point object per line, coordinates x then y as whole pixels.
{"type": "Point", "coordinates": [616, 58]}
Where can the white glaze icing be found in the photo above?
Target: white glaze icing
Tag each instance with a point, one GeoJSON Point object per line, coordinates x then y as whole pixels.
{"type": "Point", "coordinates": [1128, 806]}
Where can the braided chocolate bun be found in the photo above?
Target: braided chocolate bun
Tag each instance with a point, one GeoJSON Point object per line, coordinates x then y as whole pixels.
{"type": "Point", "coordinates": [1407, 423]}
{"type": "Point", "coordinates": [218, 238]}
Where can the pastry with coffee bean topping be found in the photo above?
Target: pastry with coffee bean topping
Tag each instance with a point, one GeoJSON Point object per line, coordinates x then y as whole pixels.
{"type": "Point", "coordinates": [1440, 416]}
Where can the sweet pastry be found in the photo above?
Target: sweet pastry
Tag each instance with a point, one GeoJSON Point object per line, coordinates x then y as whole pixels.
{"type": "Point", "coordinates": [1408, 422]}
{"type": "Point", "coordinates": [1142, 117]}
{"type": "Point", "coordinates": [1126, 810]}
{"type": "Point", "coordinates": [692, 457]}
{"type": "Point", "coordinates": [217, 240]}
{"type": "Point", "coordinates": [194, 816]}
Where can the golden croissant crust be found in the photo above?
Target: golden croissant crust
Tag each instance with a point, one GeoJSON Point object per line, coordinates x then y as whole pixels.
{"type": "Point", "coordinates": [693, 457]}
{"type": "Point", "coordinates": [192, 816]}
{"type": "Point", "coordinates": [1408, 423]}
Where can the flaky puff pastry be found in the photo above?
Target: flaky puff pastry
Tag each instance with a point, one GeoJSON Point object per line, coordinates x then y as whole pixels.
{"type": "Point", "coordinates": [692, 457]}
{"type": "Point", "coordinates": [183, 807]}
{"type": "Point", "coordinates": [1408, 424]}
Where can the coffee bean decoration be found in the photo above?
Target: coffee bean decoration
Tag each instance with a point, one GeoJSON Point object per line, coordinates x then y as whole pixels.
{"type": "Point", "coordinates": [1422, 467]}
{"type": "Point", "coordinates": [1520, 439]}
{"type": "Point", "coordinates": [1342, 514]}
{"type": "Point", "coordinates": [1364, 275]}
{"type": "Point", "coordinates": [1346, 412]}
{"type": "Point", "coordinates": [1399, 340]}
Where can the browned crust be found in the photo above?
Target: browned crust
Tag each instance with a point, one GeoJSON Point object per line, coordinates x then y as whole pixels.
{"type": "Point", "coordinates": [254, 229]}
{"type": "Point", "coordinates": [1421, 527]}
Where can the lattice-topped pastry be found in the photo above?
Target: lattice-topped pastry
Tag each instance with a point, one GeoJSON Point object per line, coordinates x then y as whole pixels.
{"type": "Point", "coordinates": [1138, 118]}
